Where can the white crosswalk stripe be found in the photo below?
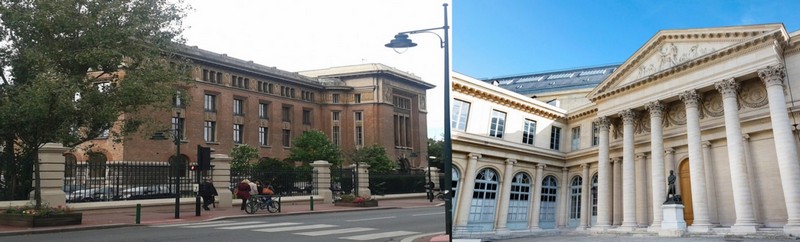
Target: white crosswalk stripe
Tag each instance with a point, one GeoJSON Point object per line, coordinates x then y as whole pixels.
{"type": "Point", "coordinates": [294, 228]}
{"type": "Point", "coordinates": [335, 231]}
{"type": "Point", "coordinates": [262, 225]}
{"type": "Point", "coordinates": [188, 224]}
{"type": "Point", "coordinates": [218, 225]}
{"type": "Point", "coordinates": [379, 235]}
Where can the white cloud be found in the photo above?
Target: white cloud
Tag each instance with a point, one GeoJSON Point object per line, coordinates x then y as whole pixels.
{"type": "Point", "coordinates": [305, 35]}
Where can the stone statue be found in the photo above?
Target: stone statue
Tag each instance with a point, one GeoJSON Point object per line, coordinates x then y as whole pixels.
{"type": "Point", "coordinates": [671, 197]}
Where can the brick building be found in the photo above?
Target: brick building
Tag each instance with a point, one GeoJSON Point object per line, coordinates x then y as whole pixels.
{"type": "Point", "coordinates": [232, 102]}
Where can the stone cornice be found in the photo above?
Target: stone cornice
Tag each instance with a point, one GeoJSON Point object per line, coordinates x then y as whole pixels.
{"type": "Point", "coordinates": [757, 38]}
{"type": "Point", "coordinates": [483, 94]}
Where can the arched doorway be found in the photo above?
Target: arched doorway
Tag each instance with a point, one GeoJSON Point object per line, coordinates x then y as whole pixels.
{"type": "Point", "coordinates": [484, 201]}
{"type": "Point", "coordinates": [519, 202]}
{"type": "Point", "coordinates": [686, 191]}
{"type": "Point", "coordinates": [594, 199]}
{"type": "Point", "coordinates": [575, 202]}
{"type": "Point", "coordinates": [454, 186]}
{"type": "Point", "coordinates": [547, 212]}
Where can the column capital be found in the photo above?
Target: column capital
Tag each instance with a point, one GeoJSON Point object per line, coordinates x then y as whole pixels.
{"type": "Point", "coordinates": [745, 137]}
{"type": "Point", "coordinates": [669, 151]}
{"type": "Point", "coordinates": [541, 166]}
{"type": "Point", "coordinates": [691, 98]}
{"type": "Point", "coordinates": [772, 75]}
{"type": "Point", "coordinates": [585, 166]}
{"type": "Point", "coordinates": [641, 155]}
{"type": "Point", "coordinates": [511, 162]}
{"type": "Point", "coordinates": [628, 116]}
{"type": "Point", "coordinates": [656, 108]}
{"type": "Point", "coordinates": [706, 143]}
{"type": "Point", "coordinates": [564, 169]}
{"type": "Point", "coordinates": [616, 159]}
{"type": "Point", "coordinates": [602, 123]}
{"type": "Point", "coordinates": [727, 87]}
{"type": "Point", "coordinates": [474, 155]}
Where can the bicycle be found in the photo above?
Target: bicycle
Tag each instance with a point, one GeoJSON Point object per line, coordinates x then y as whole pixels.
{"type": "Point", "coordinates": [255, 203]}
{"type": "Point", "coordinates": [440, 195]}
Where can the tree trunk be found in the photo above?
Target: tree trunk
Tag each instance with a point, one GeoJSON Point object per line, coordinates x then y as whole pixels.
{"type": "Point", "coordinates": [37, 194]}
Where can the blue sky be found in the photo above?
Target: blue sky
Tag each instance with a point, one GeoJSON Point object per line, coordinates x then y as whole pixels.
{"type": "Point", "coordinates": [500, 38]}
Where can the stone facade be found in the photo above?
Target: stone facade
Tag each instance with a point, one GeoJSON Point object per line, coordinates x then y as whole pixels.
{"type": "Point", "coordinates": [717, 106]}
{"type": "Point", "coordinates": [295, 102]}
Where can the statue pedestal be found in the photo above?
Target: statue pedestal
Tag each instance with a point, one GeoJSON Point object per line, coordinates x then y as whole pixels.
{"type": "Point", "coordinates": [672, 224]}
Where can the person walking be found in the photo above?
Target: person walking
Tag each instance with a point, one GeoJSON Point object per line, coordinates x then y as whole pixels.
{"type": "Point", "coordinates": [207, 191]}
{"type": "Point", "coordinates": [243, 192]}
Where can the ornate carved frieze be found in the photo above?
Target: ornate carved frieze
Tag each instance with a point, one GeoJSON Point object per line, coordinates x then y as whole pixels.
{"type": "Point", "coordinates": [676, 113]}
{"type": "Point", "coordinates": [712, 104]}
{"type": "Point", "coordinates": [642, 123]}
{"type": "Point", "coordinates": [753, 94]}
{"type": "Point", "coordinates": [772, 75]}
{"type": "Point", "coordinates": [617, 128]}
{"type": "Point", "coordinates": [671, 55]}
{"type": "Point", "coordinates": [727, 87]}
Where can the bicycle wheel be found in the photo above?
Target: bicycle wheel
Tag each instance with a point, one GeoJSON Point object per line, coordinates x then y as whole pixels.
{"type": "Point", "coordinates": [440, 197]}
{"type": "Point", "coordinates": [251, 207]}
{"type": "Point", "coordinates": [272, 207]}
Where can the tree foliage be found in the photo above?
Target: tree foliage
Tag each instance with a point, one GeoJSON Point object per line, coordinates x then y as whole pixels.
{"type": "Point", "coordinates": [375, 157]}
{"type": "Point", "coordinates": [71, 68]}
{"type": "Point", "coordinates": [312, 146]}
{"type": "Point", "coordinates": [435, 148]}
{"type": "Point", "coordinates": [242, 155]}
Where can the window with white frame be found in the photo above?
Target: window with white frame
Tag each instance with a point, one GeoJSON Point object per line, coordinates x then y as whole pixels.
{"type": "Point", "coordinates": [460, 114]}
{"type": "Point", "coordinates": [210, 103]}
{"type": "Point", "coordinates": [238, 133]}
{"type": "Point", "coordinates": [238, 107]}
{"type": "Point", "coordinates": [498, 124]}
{"type": "Point", "coordinates": [263, 134]}
{"type": "Point", "coordinates": [209, 131]}
{"type": "Point", "coordinates": [529, 132]}
{"type": "Point", "coordinates": [287, 138]}
{"type": "Point", "coordinates": [263, 111]}
{"type": "Point", "coordinates": [595, 135]}
{"type": "Point", "coordinates": [555, 138]}
{"type": "Point", "coordinates": [576, 138]}
{"type": "Point", "coordinates": [359, 128]}
{"type": "Point", "coordinates": [336, 135]}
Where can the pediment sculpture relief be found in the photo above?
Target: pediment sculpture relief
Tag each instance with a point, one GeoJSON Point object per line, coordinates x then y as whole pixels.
{"type": "Point", "coordinates": [670, 55]}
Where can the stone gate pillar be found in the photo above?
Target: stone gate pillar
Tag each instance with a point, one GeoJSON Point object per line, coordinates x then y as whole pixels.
{"type": "Point", "coordinates": [51, 165]}
{"type": "Point", "coordinates": [363, 179]}
{"type": "Point", "coordinates": [322, 180]}
{"type": "Point", "coordinates": [222, 179]}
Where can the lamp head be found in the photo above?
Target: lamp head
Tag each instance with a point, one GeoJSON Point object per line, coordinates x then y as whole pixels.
{"type": "Point", "coordinates": [400, 41]}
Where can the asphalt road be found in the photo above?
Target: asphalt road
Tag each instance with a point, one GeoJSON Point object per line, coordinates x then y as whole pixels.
{"type": "Point", "coordinates": [370, 225]}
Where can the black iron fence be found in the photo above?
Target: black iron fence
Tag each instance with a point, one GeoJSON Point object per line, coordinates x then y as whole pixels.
{"type": "Point", "coordinates": [397, 182]}
{"type": "Point", "coordinates": [126, 180]}
{"type": "Point", "coordinates": [342, 180]}
{"type": "Point", "coordinates": [288, 182]}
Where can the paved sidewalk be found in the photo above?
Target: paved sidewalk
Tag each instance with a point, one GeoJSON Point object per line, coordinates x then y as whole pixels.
{"type": "Point", "coordinates": [165, 215]}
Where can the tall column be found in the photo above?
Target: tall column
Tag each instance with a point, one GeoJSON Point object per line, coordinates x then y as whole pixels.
{"type": "Point", "coordinates": [465, 198]}
{"type": "Point", "coordinates": [711, 189]}
{"type": "Point", "coordinates": [628, 173]}
{"type": "Point", "coordinates": [586, 200]}
{"type": "Point", "coordinates": [617, 162]}
{"type": "Point", "coordinates": [742, 201]}
{"type": "Point", "coordinates": [51, 174]}
{"type": "Point", "coordinates": [669, 163]}
{"type": "Point", "coordinates": [537, 200]}
{"type": "Point", "coordinates": [505, 198]}
{"type": "Point", "coordinates": [563, 198]}
{"type": "Point", "coordinates": [603, 177]}
{"type": "Point", "coordinates": [751, 176]}
{"type": "Point", "coordinates": [222, 179]}
{"type": "Point", "coordinates": [657, 175]}
{"type": "Point", "coordinates": [785, 147]}
{"type": "Point", "coordinates": [701, 224]}
{"type": "Point", "coordinates": [641, 190]}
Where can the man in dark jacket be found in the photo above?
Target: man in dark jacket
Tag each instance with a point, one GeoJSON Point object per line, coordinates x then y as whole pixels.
{"type": "Point", "coordinates": [207, 191]}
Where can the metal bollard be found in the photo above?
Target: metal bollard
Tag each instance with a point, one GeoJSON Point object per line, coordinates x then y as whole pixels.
{"type": "Point", "coordinates": [312, 203]}
{"type": "Point", "coordinates": [138, 213]}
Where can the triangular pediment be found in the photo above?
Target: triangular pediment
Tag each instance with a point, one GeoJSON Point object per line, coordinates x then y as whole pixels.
{"type": "Point", "coordinates": [669, 49]}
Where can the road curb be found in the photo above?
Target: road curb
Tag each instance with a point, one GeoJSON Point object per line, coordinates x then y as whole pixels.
{"type": "Point", "coordinates": [298, 213]}
{"type": "Point", "coordinates": [67, 229]}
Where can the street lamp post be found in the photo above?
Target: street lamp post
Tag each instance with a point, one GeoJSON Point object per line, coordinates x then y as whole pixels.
{"type": "Point", "coordinates": [176, 161]}
{"type": "Point", "coordinates": [401, 41]}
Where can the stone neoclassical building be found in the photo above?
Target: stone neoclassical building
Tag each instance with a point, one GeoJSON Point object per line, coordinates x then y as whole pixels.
{"type": "Point", "coordinates": [718, 106]}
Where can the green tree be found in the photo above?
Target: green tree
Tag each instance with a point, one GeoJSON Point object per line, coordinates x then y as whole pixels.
{"type": "Point", "coordinates": [241, 156]}
{"type": "Point", "coordinates": [435, 148]}
{"type": "Point", "coordinates": [375, 157]}
{"type": "Point", "coordinates": [312, 146]}
{"type": "Point", "coordinates": [72, 68]}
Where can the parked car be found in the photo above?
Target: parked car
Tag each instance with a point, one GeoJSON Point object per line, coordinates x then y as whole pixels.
{"type": "Point", "coordinates": [68, 188]}
{"type": "Point", "coordinates": [148, 192]}
{"type": "Point", "coordinates": [92, 195]}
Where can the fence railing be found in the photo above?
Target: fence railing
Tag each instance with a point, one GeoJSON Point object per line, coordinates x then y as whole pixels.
{"type": "Point", "coordinates": [396, 182]}
{"type": "Point", "coordinates": [126, 180]}
{"type": "Point", "coordinates": [294, 182]}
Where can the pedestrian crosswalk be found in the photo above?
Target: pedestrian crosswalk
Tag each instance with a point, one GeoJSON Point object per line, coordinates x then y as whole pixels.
{"type": "Point", "coordinates": [353, 233]}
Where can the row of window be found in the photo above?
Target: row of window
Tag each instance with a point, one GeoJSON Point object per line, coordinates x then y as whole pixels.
{"type": "Point", "coordinates": [460, 115]}
{"type": "Point", "coordinates": [337, 98]}
{"type": "Point", "coordinates": [261, 86]}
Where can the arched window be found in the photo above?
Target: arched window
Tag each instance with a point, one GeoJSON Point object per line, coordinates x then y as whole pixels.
{"type": "Point", "coordinates": [594, 195]}
{"type": "Point", "coordinates": [454, 185]}
{"type": "Point", "coordinates": [575, 201]}
{"type": "Point", "coordinates": [484, 200]}
{"type": "Point", "coordinates": [547, 212]}
{"type": "Point", "coordinates": [519, 201]}
{"type": "Point", "coordinates": [97, 164]}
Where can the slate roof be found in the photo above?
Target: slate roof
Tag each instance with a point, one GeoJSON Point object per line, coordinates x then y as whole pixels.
{"type": "Point", "coordinates": [553, 81]}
